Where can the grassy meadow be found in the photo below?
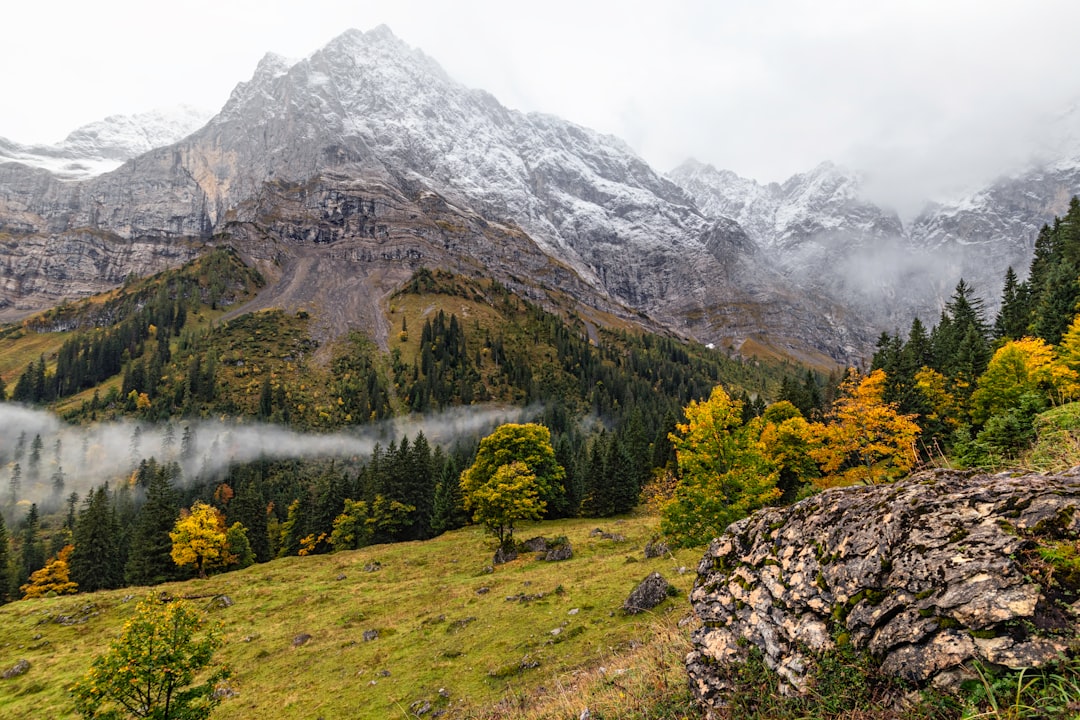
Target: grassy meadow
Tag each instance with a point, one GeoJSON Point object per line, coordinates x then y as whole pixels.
{"type": "Point", "coordinates": [530, 639]}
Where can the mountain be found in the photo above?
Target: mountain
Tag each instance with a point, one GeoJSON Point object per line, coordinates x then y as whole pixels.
{"type": "Point", "coordinates": [340, 174]}
{"type": "Point", "coordinates": [104, 145]}
{"type": "Point", "coordinates": [826, 236]}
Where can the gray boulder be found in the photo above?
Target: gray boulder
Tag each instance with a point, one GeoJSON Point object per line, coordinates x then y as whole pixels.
{"type": "Point", "coordinates": [926, 574]}
{"type": "Point", "coordinates": [559, 552]}
{"type": "Point", "coordinates": [652, 591]}
{"type": "Point", "coordinates": [506, 553]}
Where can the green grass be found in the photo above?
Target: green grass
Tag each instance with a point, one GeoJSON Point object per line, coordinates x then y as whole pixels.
{"type": "Point", "coordinates": [437, 630]}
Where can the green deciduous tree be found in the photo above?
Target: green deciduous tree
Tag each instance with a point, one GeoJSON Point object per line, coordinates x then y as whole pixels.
{"type": "Point", "coordinates": [529, 444]}
{"type": "Point", "coordinates": [160, 668]}
{"type": "Point", "coordinates": [723, 474]}
{"type": "Point", "coordinates": [1020, 366]}
{"type": "Point", "coordinates": [511, 494]}
{"type": "Point", "coordinates": [361, 523]}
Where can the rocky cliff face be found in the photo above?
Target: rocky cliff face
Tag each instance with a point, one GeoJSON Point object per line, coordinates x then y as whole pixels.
{"type": "Point", "coordinates": [926, 575]}
{"type": "Point", "coordinates": [375, 122]}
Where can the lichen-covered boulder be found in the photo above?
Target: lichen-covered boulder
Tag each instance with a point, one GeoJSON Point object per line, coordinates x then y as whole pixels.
{"type": "Point", "coordinates": [926, 574]}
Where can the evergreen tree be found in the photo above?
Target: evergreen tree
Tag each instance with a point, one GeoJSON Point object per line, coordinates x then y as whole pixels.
{"type": "Point", "coordinates": [1014, 316]}
{"type": "Point", "coordinates": [598, 500]}
{"type": "Point", "coordinates": [15, 485]}
{"type": "Point", "coordinates": [420, 482]}
{"type": "Point", "coordinates": [96, 562]}
{"type": "Point", "coordinates": [248, 508]}
{"type": "Point", "coordinates": [622, 477]}
{"type": "Point", "coordinates": [69, 519]}
{"type": "Point", "coordinates": [34, 462]}
{"type": "Point", "coordinates": [266, 400]}
{"type": "Point", "coordinates": [5, 563]}
{"type": "Point", "coordinates": [448, 512]}
{"type": "Point", "coordinates": [1056, 304]}
{"type": "Point", "coordinates": [149, 561]}
{"type": "Point", "coordinates": [32, 551]}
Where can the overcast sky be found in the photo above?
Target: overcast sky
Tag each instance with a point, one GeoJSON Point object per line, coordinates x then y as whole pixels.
{"type": "Point", "coordinates": [922, 97]}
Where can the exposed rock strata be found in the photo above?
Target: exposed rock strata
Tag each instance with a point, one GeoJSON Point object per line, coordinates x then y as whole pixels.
{"type": "Point", "coordinates": [925, 574]}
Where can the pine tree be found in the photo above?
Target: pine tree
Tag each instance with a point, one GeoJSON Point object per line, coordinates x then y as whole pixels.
{"type": "Point", "coordinates": [96, 562]}
{"type": "Point", "coordinates": [5, 563]}
{"type": "Point", "coordinates": [1014, 316]}
{"type": "Point", "coordinates": [149, 560]}
{"type": "Point", "coordinates": [15, 485]}
{"type": "Point", "coordinates": [32, 551]}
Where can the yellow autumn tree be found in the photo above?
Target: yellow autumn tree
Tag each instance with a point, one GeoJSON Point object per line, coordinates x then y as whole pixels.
{"type": "Point", "coordinates": [943, 406]}
{"type": "Point", "coordinates": [866, 440]}
{"type": "Point", "coordinates": [53, 579]}
{"type": "Point", "coordinates": [1069, 356]}
{"type": "Point", "coordinates": [1027, 365]}
{"type": "Point", "coordinates": [787, 438]}
{"type": "Point", "coordinates": [724, 473]}
{"type": "Point", "coordinates": [200, 538]}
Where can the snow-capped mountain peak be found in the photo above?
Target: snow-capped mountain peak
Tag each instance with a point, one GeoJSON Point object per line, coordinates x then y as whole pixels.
{"type": "Point", "coordinates": [104, 145]}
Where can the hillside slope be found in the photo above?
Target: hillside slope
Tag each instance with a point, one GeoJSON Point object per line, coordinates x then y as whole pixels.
{"type": "Point", "coordinates": [449, 632]}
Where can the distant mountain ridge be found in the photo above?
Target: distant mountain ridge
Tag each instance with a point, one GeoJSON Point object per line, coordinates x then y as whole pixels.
{"type": "Point", "coordinates": [367, 152]}
{"type": "Point", "coordinates": [340, 174]}
{"type": "Point", "coordinates": [102, 146]}
{"type": "Point", "coordinates": [818, 227]}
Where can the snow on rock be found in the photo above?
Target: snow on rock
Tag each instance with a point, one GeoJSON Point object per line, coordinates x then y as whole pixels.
{"type": "Point", "coordinates": [104, 145]}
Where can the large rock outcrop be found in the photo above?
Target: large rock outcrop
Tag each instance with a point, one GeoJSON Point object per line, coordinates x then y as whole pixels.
{"type": "Point", "coordinates": [926, 575]}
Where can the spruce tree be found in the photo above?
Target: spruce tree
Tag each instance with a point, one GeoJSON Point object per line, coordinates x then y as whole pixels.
{"type": "Point", "coordinates": [248, 507]}
{"type": "Point", "coordinates": [1013, 317]}
{"type": "Point", "coordinates": [96, 562]}
{"type": "Point", "coordinates": [598, 500]}
{"type": "Point", "coordinates": [32, 550]}
{"type": "Point", "coordinates": [448, 510]}
{"type": "Point", "coordinates": [149, 560]}
{"type": "Point", "coordinates": [5, 563]}
{"type": "Point", "coordinates": [1057, 303]}
{"type": "Point", "coordinates": [621, 477]}
{"type": "Point", "coordinates": [33, 465]}
{"type": "Point", "coordinates": [14, 486]}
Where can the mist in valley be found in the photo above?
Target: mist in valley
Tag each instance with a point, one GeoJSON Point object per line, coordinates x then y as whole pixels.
{"type": "Point", "coordinates": [37, 448]}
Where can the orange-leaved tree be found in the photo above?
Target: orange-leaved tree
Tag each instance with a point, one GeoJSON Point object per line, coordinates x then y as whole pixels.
{"type": "Point", "coordinates": [53, 579]}
{"type": "Point", "coordinates": [866, 440]}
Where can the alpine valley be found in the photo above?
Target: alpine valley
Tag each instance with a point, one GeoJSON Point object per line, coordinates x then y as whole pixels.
{"type": "Point", "coordinates": [339, 176]}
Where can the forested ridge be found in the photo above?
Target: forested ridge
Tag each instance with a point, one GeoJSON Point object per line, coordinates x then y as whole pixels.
{"type": "Point", "coordinates": [632, 417]}
{"type": "Point", "coordinates": [609, 401]}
